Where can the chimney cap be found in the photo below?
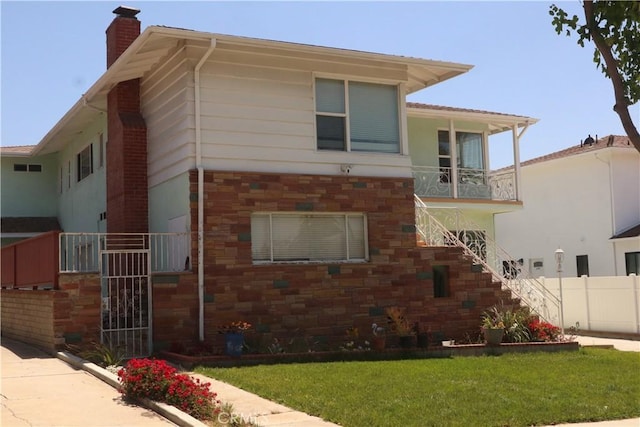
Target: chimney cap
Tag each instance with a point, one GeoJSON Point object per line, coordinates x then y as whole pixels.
{"type": "Point", "coordinates": [126, 11]}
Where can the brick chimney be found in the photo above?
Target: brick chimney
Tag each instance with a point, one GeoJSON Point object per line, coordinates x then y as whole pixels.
{"type": "Point", "coordinates": [127, 186]}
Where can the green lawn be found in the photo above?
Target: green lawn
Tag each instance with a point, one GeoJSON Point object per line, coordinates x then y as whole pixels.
{"type": "Point", "coordinates": [508, 390]}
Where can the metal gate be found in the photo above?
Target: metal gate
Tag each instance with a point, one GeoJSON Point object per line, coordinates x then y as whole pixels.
{"type": "Point", "coordinates": [126, 301]}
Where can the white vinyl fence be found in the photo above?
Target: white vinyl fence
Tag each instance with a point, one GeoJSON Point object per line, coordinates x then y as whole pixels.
{"type": "Point", "coordinates": [603, 304]}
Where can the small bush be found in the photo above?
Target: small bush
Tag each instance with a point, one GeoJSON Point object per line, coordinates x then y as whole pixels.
{"type": "Point", "coordinates": [543, 331]}
{"type": "Point", "coordinates": [192, 397]}
{"type": "Point", "coordinates": [156, 380]}
{"type": "Point", "coordinates": [146, 378]}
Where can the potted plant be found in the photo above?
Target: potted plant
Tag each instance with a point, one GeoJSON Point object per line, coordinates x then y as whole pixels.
{"type": "Point", "coordinates": [493, 326]}
{"type": "Point", "coordinates": [234, 336]}
{"type": "Point", "coordinates": [401, 325]}
{"type": "Point", "coordinates": [379, 340]}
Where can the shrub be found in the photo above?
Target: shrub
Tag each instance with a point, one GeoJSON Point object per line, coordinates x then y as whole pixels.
{"type": "Point", "coordinates": [543, 331]}
{"type": "Point", "coordinates": [146, 378]}
{"type": "Point", "coordinates": [192, 397]}
{"type": "Point", "coordinates": [156, 380]}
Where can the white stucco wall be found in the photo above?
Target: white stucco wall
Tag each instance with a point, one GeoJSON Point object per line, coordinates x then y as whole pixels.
{"type": "Point", "coordinates": [625, 172]}
{"type": "Point", "coordinates": [568, 204]}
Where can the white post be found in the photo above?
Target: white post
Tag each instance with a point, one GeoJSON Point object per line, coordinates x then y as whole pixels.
{"type": "Point", "coordinates": [634, 284]}
{"type": "Point", "coordinates": [516, 162]}
{"type": "Point", "coordinates": [559, 255]}
{"type": "Point", "coordinates": [586, 298]}
{"type": "Point", "coordinates": [453, 152]}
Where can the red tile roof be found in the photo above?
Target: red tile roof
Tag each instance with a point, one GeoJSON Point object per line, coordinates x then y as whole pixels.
{"type": "Point", "coordinates": [605, 142]}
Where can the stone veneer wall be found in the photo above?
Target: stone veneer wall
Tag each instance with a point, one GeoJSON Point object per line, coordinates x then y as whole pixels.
{"type": "Point", "coordinates": [322, 300]}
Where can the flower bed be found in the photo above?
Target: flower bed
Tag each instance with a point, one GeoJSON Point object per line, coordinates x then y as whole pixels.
{"type": "Point", "coordinates": [388, 354]}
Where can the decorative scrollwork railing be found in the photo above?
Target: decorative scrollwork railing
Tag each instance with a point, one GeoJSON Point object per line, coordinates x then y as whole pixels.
{"type": "Point", "coordinates": [449, 227]}
{"type": "Point", "coordinates": [434, 181]}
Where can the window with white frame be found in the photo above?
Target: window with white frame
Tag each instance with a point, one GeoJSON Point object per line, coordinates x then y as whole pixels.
{"type": "Point", "coordinates": [470, 156]}
{"type": "Point", "coordinates": [357, 116]}
{"type": "Point", "coordinates": [85, 162]}
{"type": "Point", "coordinates": [444, 156]}
{"type": "Point", "coordinates": [294, 237]}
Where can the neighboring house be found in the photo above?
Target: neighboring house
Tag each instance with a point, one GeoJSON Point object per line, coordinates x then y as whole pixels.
{"type": "Point", "coordinates": [28, 198]}
{"type": "Point", "coordinates": [276, 182]}
{"type": "Point", "coordinates": [585, 200]}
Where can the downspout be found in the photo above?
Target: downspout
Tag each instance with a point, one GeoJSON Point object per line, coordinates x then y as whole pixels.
{"type": "Point", "coordinates": [612, 210]}
{"type": "Point", "coordinates": [196, 72]}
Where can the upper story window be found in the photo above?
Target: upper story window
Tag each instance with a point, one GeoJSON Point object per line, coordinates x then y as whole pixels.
{"type": "Point", "coordinates": [469, 150]}
{"type": "Point", "coordinates": [470, 157]}
{"type": "Point", "coordinates": [21, 167]}
{"type": "Point", "coordinates": [85, 162]}
{"type": "Point", "coordinates": [357, 116]}
{"type": "Point", "coordinates": [295, 237]}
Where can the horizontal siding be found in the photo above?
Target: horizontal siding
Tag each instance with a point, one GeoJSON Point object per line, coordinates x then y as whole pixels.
{"type": "Point", "coordinates": [168, 109]}
{"type": "Point", "coordinates": [257, 111]}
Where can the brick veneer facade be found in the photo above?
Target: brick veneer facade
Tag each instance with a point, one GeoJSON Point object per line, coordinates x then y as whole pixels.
{"type": "Point", "coordinates": [324, 299]}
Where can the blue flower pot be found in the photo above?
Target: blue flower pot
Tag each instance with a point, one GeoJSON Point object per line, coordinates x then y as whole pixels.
{"type": "Point", "coordinates": [233, 344]}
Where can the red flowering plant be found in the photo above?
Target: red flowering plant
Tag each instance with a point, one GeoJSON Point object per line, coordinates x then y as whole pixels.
{"type": "Point", "coordinates": [193, 397]}
{"type": "Point", "coordinates": [157, 380]}
{"type": "Point", "coordinates": [543, 331]}
{"type": "Point", "coordinates": [146, 378]}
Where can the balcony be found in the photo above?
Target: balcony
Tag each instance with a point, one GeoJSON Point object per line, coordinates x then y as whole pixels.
{"type": "Point", "coordinates": [460, 183]}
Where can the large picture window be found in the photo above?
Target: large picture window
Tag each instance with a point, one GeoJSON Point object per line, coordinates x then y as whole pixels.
{"type": "Point", "coordinates": [85, 162]}
{"type": "Point", "coordinates": [357, 116]}
{"type": "Point", "coordinates": [293, 237]}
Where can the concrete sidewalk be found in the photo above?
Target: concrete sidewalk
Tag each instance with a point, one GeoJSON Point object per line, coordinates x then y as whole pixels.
{"type": "Point", "coordinates": [42, 390]}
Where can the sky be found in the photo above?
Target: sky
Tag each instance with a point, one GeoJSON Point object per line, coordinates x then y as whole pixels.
{"type": "Point", "coordinates": [52, 52]}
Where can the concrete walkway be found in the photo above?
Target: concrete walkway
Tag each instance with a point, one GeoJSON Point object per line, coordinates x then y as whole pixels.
{"type": "Point", "coordinates": [41, 390]}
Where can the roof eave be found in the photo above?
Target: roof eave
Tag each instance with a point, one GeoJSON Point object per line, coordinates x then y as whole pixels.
{"type": "Point", "coordinates": [438, 71]}
{"type": "Point", "coordinates": [501, 122]}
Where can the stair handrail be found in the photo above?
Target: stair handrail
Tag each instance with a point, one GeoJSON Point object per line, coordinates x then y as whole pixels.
{"type": "Point", "coordinates": [523, 285]}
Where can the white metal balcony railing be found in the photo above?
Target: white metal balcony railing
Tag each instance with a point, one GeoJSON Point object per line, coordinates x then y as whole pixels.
{"type": "Point", "coordinates": [452, 228]}
{"type": "Point", "coordinates": [80, 252]}
{"type": "Point", "coordinates": [433, 181]}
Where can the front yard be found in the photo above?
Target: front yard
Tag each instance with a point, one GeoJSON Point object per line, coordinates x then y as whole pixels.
{"type": "Point", "coordinates": [508, 390]}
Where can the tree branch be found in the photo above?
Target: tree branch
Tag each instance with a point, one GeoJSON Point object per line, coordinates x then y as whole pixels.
{"type": "Point", "coordinates": [621, 106]}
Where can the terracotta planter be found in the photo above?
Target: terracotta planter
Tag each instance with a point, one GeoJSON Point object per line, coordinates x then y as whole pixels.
{"type": "Point", "coordinates": [493, 336]}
